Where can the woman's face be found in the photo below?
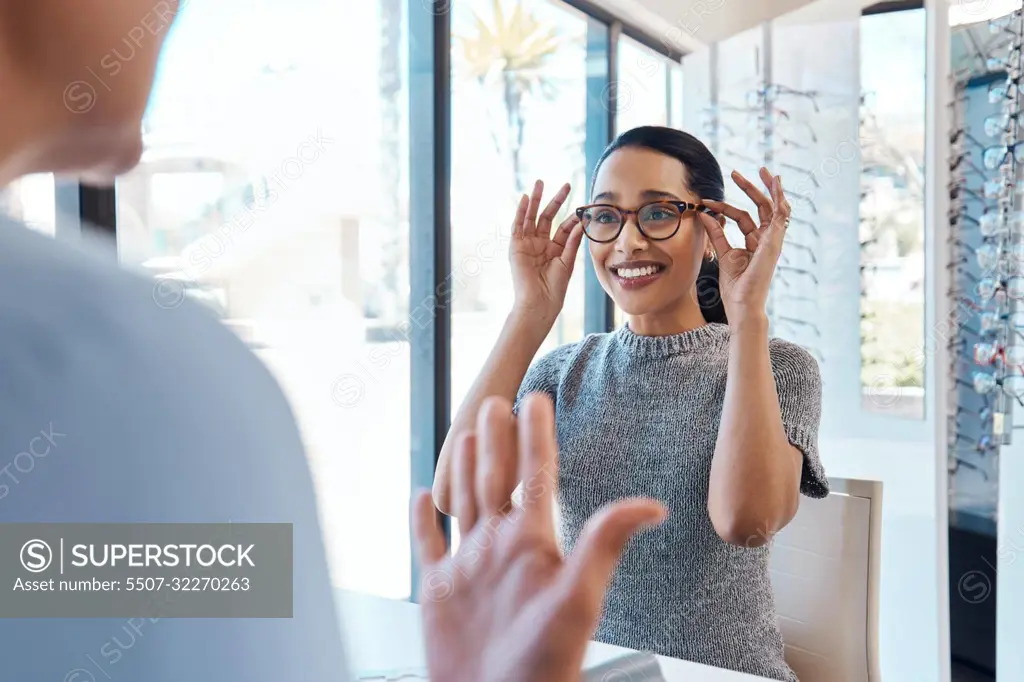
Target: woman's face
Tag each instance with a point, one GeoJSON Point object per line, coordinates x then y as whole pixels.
{"type": "Point", "coordinates": [645, 276]}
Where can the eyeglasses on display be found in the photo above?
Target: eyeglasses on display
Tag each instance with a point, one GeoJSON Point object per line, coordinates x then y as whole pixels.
{"type": "Point", "coordinates": [994, 157]}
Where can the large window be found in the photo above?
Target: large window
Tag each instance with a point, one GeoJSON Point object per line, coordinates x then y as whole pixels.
{"type": "Point", "coordinates": [519, 113]}
{"type": "Point", "coordinates": [642, 93]}
{"type": "Point", "coordinates": [892, 213]}
{"type": "Point", "coordinates": [273, 189]}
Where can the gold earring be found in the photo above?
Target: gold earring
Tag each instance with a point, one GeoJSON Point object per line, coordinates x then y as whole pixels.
{"type": "Point", "coordinates": [710, 255]}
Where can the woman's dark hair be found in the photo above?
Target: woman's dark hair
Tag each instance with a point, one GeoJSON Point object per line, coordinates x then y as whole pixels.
{"type": "Point", "coordinates": [704, 178]}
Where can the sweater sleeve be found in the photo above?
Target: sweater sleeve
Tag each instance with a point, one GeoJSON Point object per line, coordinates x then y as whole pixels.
{"type": "Point", "coordinates": [798, 384]}
{"type": "Point", "coordinates": [544, 374]}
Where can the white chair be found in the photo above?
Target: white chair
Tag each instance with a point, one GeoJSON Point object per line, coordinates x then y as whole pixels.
{"type": "Point", "coordinates": [824, 572]}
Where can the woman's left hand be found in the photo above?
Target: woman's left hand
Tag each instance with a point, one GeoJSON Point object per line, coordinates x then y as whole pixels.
{"type": "Point", "coordinates": [745, 274]}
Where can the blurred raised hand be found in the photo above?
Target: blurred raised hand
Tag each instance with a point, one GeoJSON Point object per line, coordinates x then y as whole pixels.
{"type": "Point", "coordinates": [507, 606]}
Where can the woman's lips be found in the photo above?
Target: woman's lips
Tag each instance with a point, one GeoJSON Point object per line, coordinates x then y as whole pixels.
{"type": "Point", "coordinates": [636, 282]}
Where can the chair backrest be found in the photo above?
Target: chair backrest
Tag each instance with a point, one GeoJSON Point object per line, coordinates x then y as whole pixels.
{"type": "Point", "coordinates": [824, 571]}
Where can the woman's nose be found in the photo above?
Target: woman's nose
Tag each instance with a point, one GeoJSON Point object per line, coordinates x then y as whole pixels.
{"type": "Point", "coordinates": [630, 238]}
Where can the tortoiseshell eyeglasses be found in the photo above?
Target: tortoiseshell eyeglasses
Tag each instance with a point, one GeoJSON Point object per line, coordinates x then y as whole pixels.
{"type": "Point", "coordinates": [656, 221]}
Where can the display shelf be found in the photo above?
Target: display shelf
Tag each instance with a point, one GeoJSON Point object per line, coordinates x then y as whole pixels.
{"type": "Point", "coordinates": [986, 236]}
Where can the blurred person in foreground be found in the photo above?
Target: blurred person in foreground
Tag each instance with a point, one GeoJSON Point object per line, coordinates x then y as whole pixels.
{"type": "Point", "coordinates": [157, 414]}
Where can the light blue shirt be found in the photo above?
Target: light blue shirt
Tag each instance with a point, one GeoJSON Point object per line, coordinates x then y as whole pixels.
{"type": "Point", "coordinates": [131, 412]}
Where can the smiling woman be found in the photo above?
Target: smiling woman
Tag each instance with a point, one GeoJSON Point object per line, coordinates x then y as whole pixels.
{"type": "Point", "coordinates": [670, 174]}
{"type": "Point", "coordinates": [656, 409]}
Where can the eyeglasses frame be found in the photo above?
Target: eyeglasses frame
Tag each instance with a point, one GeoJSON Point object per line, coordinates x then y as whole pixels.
{"type": "Point", "coordinates": [683, 206]}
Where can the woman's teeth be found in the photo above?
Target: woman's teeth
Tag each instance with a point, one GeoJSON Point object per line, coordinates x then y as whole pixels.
{"type": "Point", "coordinates": [630, 273]}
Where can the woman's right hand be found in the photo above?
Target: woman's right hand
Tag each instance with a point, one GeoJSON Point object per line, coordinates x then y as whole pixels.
{"type": "Point", "coordinates": [542, 262]}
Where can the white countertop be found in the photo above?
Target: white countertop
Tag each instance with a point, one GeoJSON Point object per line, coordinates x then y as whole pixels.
{"type": "Point", "coordinates": [383, 641]}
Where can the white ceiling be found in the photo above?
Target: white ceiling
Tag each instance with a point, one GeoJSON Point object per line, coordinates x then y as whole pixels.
{"type": "Point", "coordinates": [687, 25]}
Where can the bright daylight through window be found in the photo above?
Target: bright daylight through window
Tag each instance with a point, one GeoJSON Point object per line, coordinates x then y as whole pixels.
{"type": "Point", "coordinates": [274, 189]}
{"type": "Point", "coordinates": [519, 106]}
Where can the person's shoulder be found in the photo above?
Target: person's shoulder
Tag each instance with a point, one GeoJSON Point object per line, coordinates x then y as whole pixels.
{"type": "Point", "coordinates": [556, 366]}
{"type": "Point", "coordinates": [146, 387]}
{"type": "Point", "coordinates": [786, 350]}
{"type": "Point", "coordinates": [558, 356]}
{"type": "Point", "coordinates": [69, 311]}
{"type": "Point", "coordinates": [549, 368]}
{"type": "Point", "coordinates": [79, 284]}
{"type": "Point", "coordinates": [793, 361]}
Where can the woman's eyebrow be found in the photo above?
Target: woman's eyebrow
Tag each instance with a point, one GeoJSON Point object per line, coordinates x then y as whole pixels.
{"type": "Point", "coordinates": [659, 194]}
{"type": "Point", "coordinates": [646, 195]}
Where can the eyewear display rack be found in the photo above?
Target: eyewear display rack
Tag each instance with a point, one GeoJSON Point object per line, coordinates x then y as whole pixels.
{"type": "Point", "coordinates": [984, 333]}
{"type": "Point", "coordinates": [773, 126]}
{"type": "Point", "coordinates": [986, 238]}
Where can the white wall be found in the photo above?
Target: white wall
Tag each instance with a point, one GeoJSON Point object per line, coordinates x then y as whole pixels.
{"type": "Point", "coordinates": [1009, 544]}
{"type": "Point", "coordinates": [1009, 565]}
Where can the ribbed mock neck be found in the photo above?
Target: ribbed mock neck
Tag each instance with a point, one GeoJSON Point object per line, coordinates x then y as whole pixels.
{"type": "Point", "coordinates": [710, 336]}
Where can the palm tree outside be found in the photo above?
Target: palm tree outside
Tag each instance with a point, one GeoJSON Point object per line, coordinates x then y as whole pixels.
{"type": "Point", "coordinates": [511, 53]}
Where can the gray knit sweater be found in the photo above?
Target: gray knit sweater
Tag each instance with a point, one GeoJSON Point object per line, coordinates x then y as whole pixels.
{"type": "Point", "coordinates": [639, 416]}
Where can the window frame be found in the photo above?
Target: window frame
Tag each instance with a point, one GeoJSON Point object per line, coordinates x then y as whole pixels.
{"type": "Point", "coordinates": [79, 205]}
{"type": "Point", "coordinates": [430, 35]}
{"type": "Point", "coordinates": [882, 425]}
